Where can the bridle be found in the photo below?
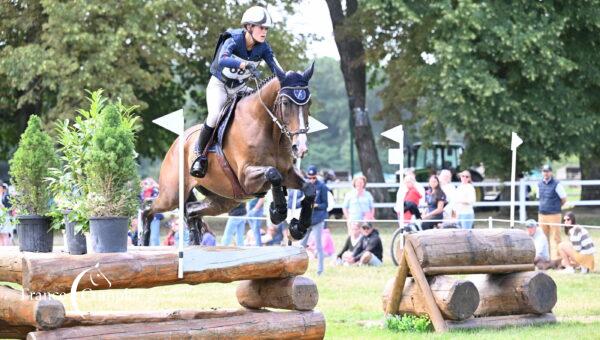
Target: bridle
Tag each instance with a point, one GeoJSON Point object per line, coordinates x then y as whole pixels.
{"type": "Point", "coordinates": [278, 108]}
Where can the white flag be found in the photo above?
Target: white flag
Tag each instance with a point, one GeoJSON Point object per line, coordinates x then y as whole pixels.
{"type": "Point", "coordinates": [173, 121]}
{"type": "Point", "coordinates": [515, 141]}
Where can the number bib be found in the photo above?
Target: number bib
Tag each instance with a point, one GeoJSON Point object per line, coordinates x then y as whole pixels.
{"type": "Point", "coordinates": [237, 73]}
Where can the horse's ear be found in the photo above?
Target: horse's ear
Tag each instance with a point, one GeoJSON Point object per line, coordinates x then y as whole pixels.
{"type": "Point", "coordinates": [308, 72]}
{"type": "Point", "coordinates": [280, 74]}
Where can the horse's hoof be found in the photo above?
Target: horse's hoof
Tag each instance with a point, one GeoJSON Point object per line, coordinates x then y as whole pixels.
{"type": "Point", "coordinates": [296, 231]}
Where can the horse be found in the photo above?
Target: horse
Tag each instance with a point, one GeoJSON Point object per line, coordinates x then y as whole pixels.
{"type": "Point", "coordinates": [267, 134]}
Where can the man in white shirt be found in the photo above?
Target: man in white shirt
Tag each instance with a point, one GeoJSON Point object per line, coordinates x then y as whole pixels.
{"type": "Point", "coordinates": [542, 254]}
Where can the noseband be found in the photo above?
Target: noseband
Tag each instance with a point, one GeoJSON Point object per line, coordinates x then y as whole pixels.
{"type": "Point", "coordinates": [278, 108]}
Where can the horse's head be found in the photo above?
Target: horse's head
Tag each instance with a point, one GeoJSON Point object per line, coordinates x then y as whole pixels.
{"type": "Point", "coordinates": [293, 106]}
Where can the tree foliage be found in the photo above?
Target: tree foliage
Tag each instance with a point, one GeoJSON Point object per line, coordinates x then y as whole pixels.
{"type": "Point", "coordinates": [30, 166]}
{"type": "Point", "coordinates": [489, 68]}
{"type": "Point", "coordinates": [154, 54]}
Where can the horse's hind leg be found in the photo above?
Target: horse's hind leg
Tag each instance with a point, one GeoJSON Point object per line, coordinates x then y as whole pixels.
{"type": "Point", "coordinates": [167, 200]}
{"type": "Point", "coordinates": [211, 205]}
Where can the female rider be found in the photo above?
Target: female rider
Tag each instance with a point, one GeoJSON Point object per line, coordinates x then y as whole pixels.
{"type": "Point", "coordinates": [237, 55]}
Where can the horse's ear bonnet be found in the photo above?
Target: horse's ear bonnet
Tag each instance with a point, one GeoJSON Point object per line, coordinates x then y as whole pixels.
{"type": "Point", "coordinates": [294, 85]}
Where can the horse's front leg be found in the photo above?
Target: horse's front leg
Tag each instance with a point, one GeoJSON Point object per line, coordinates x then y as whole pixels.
{"type": "Point", "coordinates": [257, 178]}
{"type": "Point", "coordinates": [297, 228]}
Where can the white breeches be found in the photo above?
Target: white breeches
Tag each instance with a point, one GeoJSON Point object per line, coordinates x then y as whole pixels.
{"type": "Point", "coordinates": [216, 96]}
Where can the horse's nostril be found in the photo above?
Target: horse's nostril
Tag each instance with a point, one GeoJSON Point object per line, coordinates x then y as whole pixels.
{"type": "Point", "coordinates": [294, 147]}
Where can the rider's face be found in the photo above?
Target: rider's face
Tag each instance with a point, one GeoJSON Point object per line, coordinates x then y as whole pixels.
{"type": "Point", "coordinates": [259, 33]}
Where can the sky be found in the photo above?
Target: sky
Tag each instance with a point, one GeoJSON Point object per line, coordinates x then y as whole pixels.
{"type": "Point", "coordinates": [312, 16]}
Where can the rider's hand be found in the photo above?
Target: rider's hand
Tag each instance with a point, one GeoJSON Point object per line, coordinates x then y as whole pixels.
{"type": "Point", "coordinates": [253, 71]}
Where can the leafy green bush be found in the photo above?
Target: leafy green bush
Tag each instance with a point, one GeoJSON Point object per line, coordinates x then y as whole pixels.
{"type": "Point", "coordinates": [408, 323]}
{"type": "Point", "coordinates": [109, 163]}
{"type": "Point", "coordinates": [29, 167]}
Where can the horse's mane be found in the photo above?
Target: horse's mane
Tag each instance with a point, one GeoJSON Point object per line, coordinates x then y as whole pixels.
{"type": "Point", "coordinates": [261, 84]}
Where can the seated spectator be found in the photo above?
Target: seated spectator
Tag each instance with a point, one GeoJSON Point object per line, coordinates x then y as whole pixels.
{"type": "Point", "coordinates": [208, 236]}
{"type": "Point", "coordinates": [173, 235]}
{"type": "Point", "coordinates": [274, 234]}
{"type": "Point", "coordinates": [345, 254]}
{"type": "Point", "coordinates": [579, 250]}
{"type": "Point", "coordinates": [542, 254]}
{"type": "Point", "coordinates": [326, 241]}
{"type": "Point", "coordinates": [369, 250]}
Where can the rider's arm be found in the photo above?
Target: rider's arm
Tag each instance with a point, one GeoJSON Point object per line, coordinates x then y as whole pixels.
{"type": "Point", "coordinates": [226, 53]}
{"type": "Point", "coordinates": [269, 58]}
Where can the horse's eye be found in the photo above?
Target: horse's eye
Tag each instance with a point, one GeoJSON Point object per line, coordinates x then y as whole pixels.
{"type": "Point", "coordinates": [285, 102]}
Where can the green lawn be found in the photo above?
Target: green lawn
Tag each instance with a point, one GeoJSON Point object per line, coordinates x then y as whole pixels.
{"type": "Point", "coordinates": [350, 298]}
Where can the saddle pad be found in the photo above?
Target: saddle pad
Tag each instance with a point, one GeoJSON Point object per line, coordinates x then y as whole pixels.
{"type": "Point", "coordinates": [197, 259]}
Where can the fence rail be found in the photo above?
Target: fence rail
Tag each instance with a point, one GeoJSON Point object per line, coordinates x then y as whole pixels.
{"type": "Point", "coordinates": [521, 202]}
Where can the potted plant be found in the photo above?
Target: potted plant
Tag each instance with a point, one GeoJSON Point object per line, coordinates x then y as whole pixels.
{"type": "Point", "coordinates": [29, 167]}
{"type": "Point", "coordinates": [112, 178]}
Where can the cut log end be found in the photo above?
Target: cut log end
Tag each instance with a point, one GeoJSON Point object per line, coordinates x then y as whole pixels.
{"type": "Point", "coordinates": [295, 293]}
{"type": "Point", "coordinates": [50, 314]}
{"type": "Point", "coordinates": [464, 299]}
{"type": "Point", "coordinates": [542, 293]}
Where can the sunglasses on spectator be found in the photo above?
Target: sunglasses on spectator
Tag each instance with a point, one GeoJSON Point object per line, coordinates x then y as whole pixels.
{"type": "Point", "coordinates": [312, 177]}
{"type": "Point", "coordinates": [366, 227]}
{"type": "Point", "coordinates": [465, 176]}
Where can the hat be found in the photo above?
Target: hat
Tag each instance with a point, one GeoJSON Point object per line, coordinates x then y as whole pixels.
{"type": "Point", "coordinates": [530, 223]}
{"type": "Point", "coordinates": [546, 167]}
{"type": "Point", "coordinates": [312, 170]}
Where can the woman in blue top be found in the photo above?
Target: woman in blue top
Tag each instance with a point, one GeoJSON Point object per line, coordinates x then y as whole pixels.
{"type": "Point", "coordinates": [237, 56]}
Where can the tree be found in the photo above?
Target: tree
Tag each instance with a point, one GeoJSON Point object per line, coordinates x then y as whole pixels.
{"type": "Point", "coordinates": [487, 69]}
{"type": "Point", "coordinates": [349, 40]}
{"type": "Point", "coordinates": [150, 53]}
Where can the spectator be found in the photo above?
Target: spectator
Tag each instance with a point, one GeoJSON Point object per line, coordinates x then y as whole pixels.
{"type": "Point", "coordinates": [436, 199]}
{"type": "Point", "coordinates": [173, 235]}
{"type": "Point", "coordinates": [5, 226]}
{"type": "Point", "coordinates": [369, 250]}
{"type": "Point", "coordinates": [464, 198]}
{"type": "Point", "coordinates": [149, 194]}
{"type": "Point", "coordinates": [274, 234]}
{"type": "Point", "coordinates": [209, 238]}
{"type": "Point", "coordinates": [552, 197]}
{"type": "Point", "coordinates": [235, 226]}
{"type": "Point", "coordinates": [318, 216]}
{"type": "Point", "coordinates": [255, 210]}
{"type": "Point", "coordinates": [345, 255]}
{"type": "Point", "coordinates": [411, 200]}
{"type": "Point", "coordinates": [358, 203]}
{"type": "Point", "coordinates": [449, 189]}
{"type": "Point", "coordinates": [579, 250]}
{"type": "Point", "coordinates": [132, 233]}
{"type": "Point", "coordinates": [542, 255]}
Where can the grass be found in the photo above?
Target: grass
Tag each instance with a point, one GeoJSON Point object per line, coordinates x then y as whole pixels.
{"type": "Point", "coordinates": [350, 299]}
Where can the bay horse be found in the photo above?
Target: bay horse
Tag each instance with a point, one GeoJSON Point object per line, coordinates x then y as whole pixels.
{"type": "Point", "coordinates": [267, 133]}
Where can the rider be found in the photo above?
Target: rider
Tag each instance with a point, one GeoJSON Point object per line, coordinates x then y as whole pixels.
{"type": "Point", "coordinates": [237, 55]}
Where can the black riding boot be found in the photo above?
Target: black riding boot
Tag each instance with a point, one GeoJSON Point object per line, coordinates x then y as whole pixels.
{"type": "Point", "coordinates": [200, 165]}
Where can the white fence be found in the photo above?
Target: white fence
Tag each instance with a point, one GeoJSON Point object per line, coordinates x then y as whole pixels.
{"type": "Point", "coordinates": [521, 202]}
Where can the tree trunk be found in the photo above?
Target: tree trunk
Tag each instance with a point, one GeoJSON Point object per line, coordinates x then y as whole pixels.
{"type": "Point", "coordinates": [294, 293]}
{"type": "Point", "coordinates": [590, 169]}
{"type": "Point", "coordinates": [348, 38]}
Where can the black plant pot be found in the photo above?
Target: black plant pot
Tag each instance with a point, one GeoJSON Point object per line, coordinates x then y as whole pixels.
{"type": "Point", "coordinates": [109, 234]}
{"type": "Point", "coordinates": [75, 241]}
{"type": "Point", "coordinates": [34, 234]}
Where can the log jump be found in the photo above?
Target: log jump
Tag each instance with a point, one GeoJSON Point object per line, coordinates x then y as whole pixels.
{"type": "Point", "coordinates": [270, 279]}
{"type": "Point", "coordinates": [508, 293]}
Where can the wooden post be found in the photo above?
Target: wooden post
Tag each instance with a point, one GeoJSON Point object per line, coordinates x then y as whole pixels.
{"type": "Point", "coordinates": [17, 309]}
{"type": "Point", "coordinates": [253, 325]}
{"type": "Point", "coordinates": [393, 304]}
{"type": "Point", "coordinates": [145, 269]}
{"type": "Point", "coordinates": [295, 293]}
{"type": "Point", "coordinates": [417, 272]}
{"type": "Point", "coordinates": [498, 322]}
{"type": "Point", "coordinates": [485, 269]}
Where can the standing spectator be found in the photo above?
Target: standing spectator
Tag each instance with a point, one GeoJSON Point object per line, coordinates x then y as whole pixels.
{"type": "Point", "coordinates": [209, 238]}
{"type": "Point", "coordinates": [411, 200]}
{"type": "Point", "coordinates": [542, 255]}
{"type": "Point", "coordinates": [148, 194]}
{"type": "Point", "coordinates": [436, 199]}
{"type": "Point", "coordinates": [464, 198]}
{"type": "Point", "coordinates": [552, 197]}
{"type": "Point", "coordinates": [318, 216]}
{"type": "Point", "coordinates": [445, 180]}
{"type": "Point", "coordinates": [369, 250]}
{"type": "Point", "coordinates": [5, 227]}
{"type": "Point", "coordinates": [236, 224]}
{"type": "Point", "coordinates": [255, 210]}
{"type": "Point", "coordinates": [345, 255]}
{"type": "Point", "coordinates": [579, 250]}
{"type": "Point", "coordinates": [358, 203]}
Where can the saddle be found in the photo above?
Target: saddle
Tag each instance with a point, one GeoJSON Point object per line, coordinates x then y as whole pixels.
{"type": "Point", "coordinates": [215, 144]}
